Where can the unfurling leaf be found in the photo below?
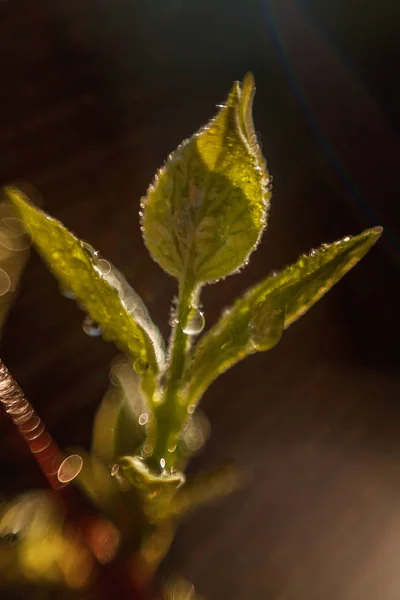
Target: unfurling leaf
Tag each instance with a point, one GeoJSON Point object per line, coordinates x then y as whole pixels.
{"type": "Point", "coordinates": [256, 321]}
{"type": "Point", "coordinates": [105, 294]}
{"type": "Point", "coordinates": [142, 477]}
{"type": "Point", "coordinates": [206, 210]}
{"type": "Point", "coordinates": [119, 423]}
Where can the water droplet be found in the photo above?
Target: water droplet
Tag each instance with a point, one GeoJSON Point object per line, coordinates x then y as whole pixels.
{"type": "Point", "coordinates": [103, 266]}
{"type": "Point", "coordinates": [162, 463]}
{"type": "Point", "coordinates": [114, 470]}
{"type": "Point", "coordinates": [173, 321]}
{"type": "Point", "coordinates": [172, 448]}
{"type": "Point", "coordinates": [191, 409]}
{"type": "Point", "coordinates": [143, 419]}
{"type": "Point", "coordinates": [90, 327]}
{"type": "Point", "coordinates": [67, 293]}
{"type": "Point", "coordinates": [70, 468]}
{"type": "Point", "coordinates": [195, 322]}
{"type": "Point", "coordinates": [134, 345]}
{"type": "Point", "coordinates": [140, 366]}
{"type": "Point", "coordinates": [267, 328]}
{"type": "Point", "coordinates": [89, 250]}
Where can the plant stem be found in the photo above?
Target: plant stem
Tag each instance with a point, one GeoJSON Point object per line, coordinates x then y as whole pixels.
{"type": "Point", "coordinates": [171, 414]}
{"type": "Point", "coordinates": [41, 444]}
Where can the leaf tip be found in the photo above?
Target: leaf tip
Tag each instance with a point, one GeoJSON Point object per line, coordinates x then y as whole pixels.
{"type": "Point", "coordinates": [376, 231]}
{"type": "Point", "coordinates": [248, 80]}
{"type": "Point", "coordinates": [10, 190]}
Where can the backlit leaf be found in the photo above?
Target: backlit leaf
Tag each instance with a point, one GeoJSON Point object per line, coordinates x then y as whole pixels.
{"type": "Point", "coordinates": [105, 294]}
{"type": "Point", "coordinates": [119, 423]}
{"type": "Point", "coordinates": [141, 476]}
{"type": "Point", "coordinates": [204, 488]}
{"type": "Point", "coordinates": [205, 212]}
{"type": "Point", "coordinates": [256, 321]}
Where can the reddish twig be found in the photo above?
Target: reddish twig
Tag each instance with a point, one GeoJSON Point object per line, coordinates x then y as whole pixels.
{"type": "Point", "coordinates": [42, 446]}
{"type": "Point", "coordinates": [113, 579]}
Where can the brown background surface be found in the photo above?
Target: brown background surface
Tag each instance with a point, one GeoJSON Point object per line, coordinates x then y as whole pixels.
{"type": "Point", "coordinates": [94, 94]}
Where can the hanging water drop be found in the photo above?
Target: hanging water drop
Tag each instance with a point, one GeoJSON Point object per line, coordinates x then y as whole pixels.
{"type": "Point", "coordinates": [140, 366]}
{"type": "Point", "coordinates": [173, 320]}
{"type": "Point", "coordinates": [90, 327]}
{"type": "Point", "coordinates": [104, 266]}
{"type": "Point", "coordinates": [195, 322]}
{"type": "Point", "coordinates": [67, 293]}
{"type": "Point", "coordinates": [266, 328]}
{"type": "Point", "coordinates": [89, 250]}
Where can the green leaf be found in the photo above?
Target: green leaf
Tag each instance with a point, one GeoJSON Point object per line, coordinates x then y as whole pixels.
{"type": "Point", "coordinates": [256, 321]}
{"type": "Point", "coordinates": [141, 476]}
{"type": "Point", "coordinates": [105, 294]}
{"type": "Point", "coordinates": [204, 488]}
{"type": "Point", "coordinates": [155, 488]}
{"type": "Point", "coordinates": [117, 429]}
{"type": "Point", "coordinates": [205, 212]}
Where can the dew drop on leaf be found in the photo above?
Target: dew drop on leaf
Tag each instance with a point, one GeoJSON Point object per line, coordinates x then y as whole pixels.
{"type": "Point", "coordinates": [140, 366]}
{"type": "Point", "coordinates": [173, 320]}
{"type": "Point", "coordinates": [104, 266]}
{"type": "Point", "coordinates": [89, 250]}
{"type": "Point", "coordinates": [67, 293]}
{"type": "Point", "coordinates": [195, 322]}
{"type": "Point", "coordinates": [266, 329]}
{"type": "Point", "coordinates": [90, 327]}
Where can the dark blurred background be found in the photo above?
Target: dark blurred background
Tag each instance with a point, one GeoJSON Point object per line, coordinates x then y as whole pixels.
{"type": "Point", "coordinates": [94, 94]}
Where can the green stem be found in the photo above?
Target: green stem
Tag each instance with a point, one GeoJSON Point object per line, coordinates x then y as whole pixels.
{"type": "Point", "coordinates": [171, 414]}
